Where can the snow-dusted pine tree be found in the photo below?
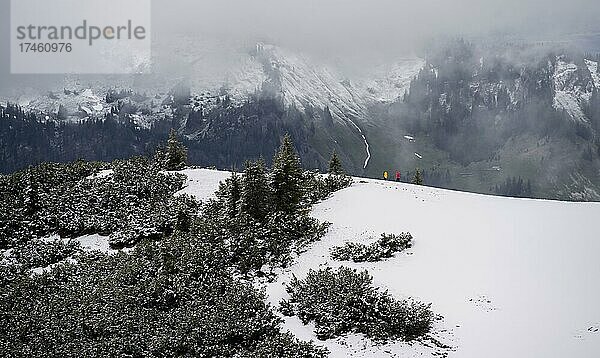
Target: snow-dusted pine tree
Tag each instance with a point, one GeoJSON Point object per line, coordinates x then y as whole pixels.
{"type": "Point", "coordinates": [176, 153]}
{"type": "Point", "coordinates": [234, 191]}
{"type": "Point", "coordinates": [255, 198]}
{"type": "Point", "coordinates": [286, 178]}
{"type": "Point", "coordinates": [418, 178]}
{"type": "Point", "coordinates": [335, 165]}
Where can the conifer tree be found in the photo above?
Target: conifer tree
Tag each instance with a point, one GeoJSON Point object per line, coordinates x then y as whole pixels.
{"type": "Point", "coordinates": [160, 156]}
{"type": "Point", "coordinates": [234, 191]}
{"type": "Point", "coordinates": [286, 178]}
{"type": "Point", "coordinates": [31, 195]}
{"type": "Point", "coordinates": [255, 197]}
{"type": "Point", "coordinates": [418, 178]}
{"type": "Point", "coordinates": [335, 165]}
{"type": "Point", "coordinates": [183, 221]}
{"type": "Point", "coordinates": [176, 153]}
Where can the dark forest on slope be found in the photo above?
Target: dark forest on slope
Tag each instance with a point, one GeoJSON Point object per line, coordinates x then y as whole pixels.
{"type": "Point", "coordinates": [487, 121]}
{"type": "Point", "coordinates": [223, 136]}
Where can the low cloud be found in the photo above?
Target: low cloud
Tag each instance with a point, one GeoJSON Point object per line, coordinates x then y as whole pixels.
{"type": "Point", "coordinates": [349, 29]}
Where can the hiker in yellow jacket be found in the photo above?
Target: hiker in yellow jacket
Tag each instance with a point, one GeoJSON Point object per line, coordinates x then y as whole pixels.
{"type": "Point", "coordinates": [385, 175]}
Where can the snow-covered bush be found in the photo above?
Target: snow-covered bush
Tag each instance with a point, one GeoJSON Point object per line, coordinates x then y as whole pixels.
{"type": "Point", "coordinates": [42, 253]}
{"type": "Point", "coordinates": [263, 216]}
{"type": "Point", "coordinates": [258, 245]}
{"type": "Point", "coordinates": [345, 301]}
{"type": "Point", "coordinates": [175, 297]}
{"type": "Point", "coordinates": [385, 247]}
{"type": "Point", "coordinates": [70, 200]}
{"type": "Point", "coordinates": [178, 292]}
{"type": "Point", "coordinates": [319, 187]}
{"type": "Point", "coordinates": [151, 222]}
{"type": "Point", "coordinates": [258, 231]}
{"type": "Point", "coordinates": [30, 198]}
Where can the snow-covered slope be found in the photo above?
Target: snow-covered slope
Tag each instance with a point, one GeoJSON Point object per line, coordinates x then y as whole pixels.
{"type": "Point", "coordinates": [388, 83]}
{"type": "Point", "coordinates": [305, 82]}
{"type": "Point", "coordinates": [202, 183]}
{"type": "Point", "coordinates": [240, 69]}
{"type": "Point", "coordinates": [593, 68]}
{"type": "Point", "coordinates": [572, 89]}
{"type": "Point", "coordinates": [511, 277]}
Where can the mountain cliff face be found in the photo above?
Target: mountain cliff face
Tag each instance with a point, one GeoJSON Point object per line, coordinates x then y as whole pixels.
{"type": "Point", "coordinates": [499, 117]}
{"type": "Point", "coordinates": [303, 83]}
{"type": "Point", "coordinates": [511, 121]}
{"type": "Point", "coordinates": [574, 86]}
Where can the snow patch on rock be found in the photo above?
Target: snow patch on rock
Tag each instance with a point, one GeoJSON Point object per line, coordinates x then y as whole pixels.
{"type": "Point", "coordinates": [568, 102]}
{"type": "Point", "coordinates": [571, 91]}
{"type": "Point", "coordinates": [593, 68]}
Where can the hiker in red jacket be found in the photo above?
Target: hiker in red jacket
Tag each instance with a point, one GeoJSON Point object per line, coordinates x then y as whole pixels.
{"type": "Point", "coordinates": [398, 176]}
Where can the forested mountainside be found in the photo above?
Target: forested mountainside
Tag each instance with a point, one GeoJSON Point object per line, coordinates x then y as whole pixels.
{"type": "Point", "coordinates": [512, 121]}
{"type": "Point", "coordinates": [508, 120]}
{"type": "Point", "coordinates": [224, 136]}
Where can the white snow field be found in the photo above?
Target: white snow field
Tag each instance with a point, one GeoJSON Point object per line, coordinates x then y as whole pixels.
{"type": "Point", "coordinates": [202, 183]}
{"type": "Point", "coordinates": [511, 277]}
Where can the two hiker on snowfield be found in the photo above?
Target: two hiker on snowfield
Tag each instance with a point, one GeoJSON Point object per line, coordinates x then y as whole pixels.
{"type": "Point", "coordinates": [398, 175]}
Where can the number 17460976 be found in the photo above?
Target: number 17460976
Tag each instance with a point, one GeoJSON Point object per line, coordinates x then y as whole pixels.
{"type": "Point", "coordinates": [45, 47]}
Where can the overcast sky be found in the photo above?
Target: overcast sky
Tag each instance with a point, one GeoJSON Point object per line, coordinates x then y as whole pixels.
{"type": "Point", "coordinates": [364, 23]}
{"type": "Point", "coordinates": [350, 26]}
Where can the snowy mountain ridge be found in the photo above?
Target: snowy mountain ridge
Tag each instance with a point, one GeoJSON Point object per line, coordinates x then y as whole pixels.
{"type": "Point", "coordinates": [299, 80]}
{"type": "Point", "coordinates": [303, 83]}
